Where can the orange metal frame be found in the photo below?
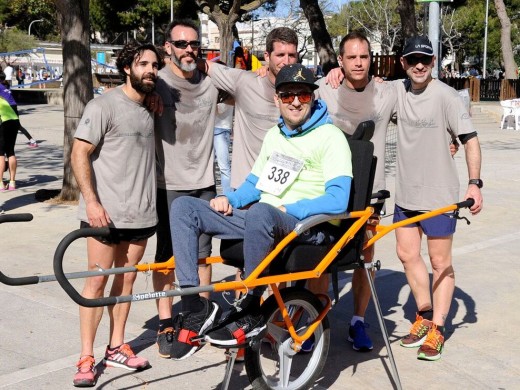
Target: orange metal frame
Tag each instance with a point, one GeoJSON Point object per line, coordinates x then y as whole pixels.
{"type": "Point", "coordinates": [254, 279]}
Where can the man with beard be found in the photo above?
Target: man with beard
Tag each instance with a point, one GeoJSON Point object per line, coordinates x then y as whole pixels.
{"type": "Point", "coordinates": [185, 160]}
{"type": "Point", "coordinates": [113, 160]}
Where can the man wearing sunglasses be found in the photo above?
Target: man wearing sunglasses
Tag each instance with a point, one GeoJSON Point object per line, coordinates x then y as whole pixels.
{"type": "Point", "coordinates": [431, 115]}
{"type": "Point", "coordinates": [184, 147]}
{"type": "Point", "coordinates": [303, 168]}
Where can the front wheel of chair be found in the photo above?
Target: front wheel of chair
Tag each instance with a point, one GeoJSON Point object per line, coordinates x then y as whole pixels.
{"type": "Point", "coordinates": [273, 363]}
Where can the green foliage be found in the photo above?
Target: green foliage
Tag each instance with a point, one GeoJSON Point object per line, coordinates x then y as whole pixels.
{"type": "Point", "coordinates": [21, 13]}
{"type": "Point", "coordinates": [12, 39]}
{"type": "Point", "coordinates": [112, 18]}
{"type": "Point", "coordinates": [470, 22]}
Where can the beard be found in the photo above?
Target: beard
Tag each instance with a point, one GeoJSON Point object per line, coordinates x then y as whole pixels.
{"type": "Point", "coordinates": [140, 86]}
{"type": "Point", "coordinates": [184, 67]}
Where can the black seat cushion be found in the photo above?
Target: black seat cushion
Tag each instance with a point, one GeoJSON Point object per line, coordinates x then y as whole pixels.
{"type": "Point", "coordinates": [304, 257]}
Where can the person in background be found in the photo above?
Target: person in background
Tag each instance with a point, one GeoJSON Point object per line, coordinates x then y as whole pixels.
{"type": "Point", "coordinates": [8, 132]}
{"type": "Point", "coordinates": [5, 93]}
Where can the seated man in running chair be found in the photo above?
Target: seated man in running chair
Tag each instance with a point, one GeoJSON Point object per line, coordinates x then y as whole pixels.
{"type": "Point", "coordinates": [304, 168]}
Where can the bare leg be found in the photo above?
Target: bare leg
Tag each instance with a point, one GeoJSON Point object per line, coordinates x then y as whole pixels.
{"type": "Point", "coordinates": [205, 278]}
{"type": "Point", "coordinates": [164, 282]}
{"type": "Point", "coordinates": [409, 252]}
{"type": "Point", "coordinates": [439, 249]}
{"type": "Point", "coordinates": [12, 168]}
{"type": "Point", "coordinates": [89, 317]}
{"type": "Point", "coordinates": [127, 254]}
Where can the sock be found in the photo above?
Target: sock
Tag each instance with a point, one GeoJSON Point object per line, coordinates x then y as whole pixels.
{"type": "Point", "coordinates": [426, 314]}
{"type": "Point", "coordinates": [440, 329]}
{"type": "Point", "coordinates": [356, 319]}
{"type": "Point", "coordinates": [112, 349]}
{"type": "Point", "coordinates": [166, 323]}
{"type": "Point", "coordinates": [191, 303]}
{"type": "Point", "coordinates": [252, 303]}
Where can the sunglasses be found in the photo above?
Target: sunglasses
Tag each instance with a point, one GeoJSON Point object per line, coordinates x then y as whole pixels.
{"type": "Point", "coordinates": [181, 44]}
{"type": "Point", "coordinates": [414, 60]}
{"type": "Point", "coordinates": [288, 97]}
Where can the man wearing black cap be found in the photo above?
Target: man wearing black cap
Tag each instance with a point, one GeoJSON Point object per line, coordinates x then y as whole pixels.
{"type": "Point", "coordinates": [304, 168]}
{"type": "Point", "coordinates": [431, 116]}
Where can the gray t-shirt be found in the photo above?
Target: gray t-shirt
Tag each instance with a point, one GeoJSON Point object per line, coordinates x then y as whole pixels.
{"type": "Point", "coordinates": [123, 163]}
{"type": "Point", "coordinates": [428, 121]}
{"type": "Point", "coordinates": [184, 131]}
{"type": "Point", "coordinates": [255, 114]}
{"type": "Point", "coordinates": [348, 108]}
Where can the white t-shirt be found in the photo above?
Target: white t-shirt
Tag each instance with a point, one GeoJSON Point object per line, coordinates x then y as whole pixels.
{"type": "Point", "coordinates": [8, 71]}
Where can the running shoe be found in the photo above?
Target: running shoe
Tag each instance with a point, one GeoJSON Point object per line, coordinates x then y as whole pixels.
{"type": "Point", "coordinates": [236, 329]}
{"type": "Point", "coordinates": [432, 347]}
{"type": "Point", "coordinates": [165, 341]}
{"type": "Point", "coordinates": [359, 338]}
{"type": "Point", "coordinates": [86, 374]}
{"type": "Point", "coordinates": [190, 325]}
{"type": "Point", "coordinates": [33, 145]}
{"type": "Point", "coordinates": [124, 357]}
{"type": "Point", "coordinates": [418, 332]}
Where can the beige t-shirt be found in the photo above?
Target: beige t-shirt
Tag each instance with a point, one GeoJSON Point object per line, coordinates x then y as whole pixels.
{"type": "Point", "coordinates": [184, 131]}
{"type": "Point", "coordinates": [348, 108]}
{"type": "Point", "coordinates": [428, 121]}
{"type": "Point", "coordinates": [255, 114]}
{"type": "Point", "coordinates": [123, 162]}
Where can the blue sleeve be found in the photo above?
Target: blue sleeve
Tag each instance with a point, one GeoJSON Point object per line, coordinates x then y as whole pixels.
{"type": "Point", "coordinates": [334, 201]}
{"type": "Point", "coordinates": [245, 194]}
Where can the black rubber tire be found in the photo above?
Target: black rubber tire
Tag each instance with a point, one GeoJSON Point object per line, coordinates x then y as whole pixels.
{"type": "Point", "coordinates": [308, 306]}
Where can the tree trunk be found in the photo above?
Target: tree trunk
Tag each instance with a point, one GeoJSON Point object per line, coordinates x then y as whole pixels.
{"type": "Point", "coordinates": [225, 28]}
{"type": "Point", "coordinates": [320, 35]}
{"type": "Point", "coordinates": [406, 10]}
{"type": "Point", "coordinates": [77, 79]}
{"type": "Point", "coordinates": [505, 40]}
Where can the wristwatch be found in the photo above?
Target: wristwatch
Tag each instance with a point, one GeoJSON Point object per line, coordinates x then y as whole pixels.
{"type": "Point", "coordinates": [479, 183]}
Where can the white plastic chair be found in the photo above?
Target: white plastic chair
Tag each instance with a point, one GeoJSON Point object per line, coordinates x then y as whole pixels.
{"type": "Point", "coordinates": [510, 108]}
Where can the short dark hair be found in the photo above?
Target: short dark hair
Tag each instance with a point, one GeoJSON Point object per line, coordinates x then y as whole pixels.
{"type": "Point", "coordinates": [133, 51]}
{"type": "Point", "coordinates": [280, 34]}
{"type": "Point", "coordinates": [353, 35]}
{"type": "Point", "coordinates": [179, 22]}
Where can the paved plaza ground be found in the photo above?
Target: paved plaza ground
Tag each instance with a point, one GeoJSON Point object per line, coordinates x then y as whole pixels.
{"type": "Point", "coordinates": [39, 326]}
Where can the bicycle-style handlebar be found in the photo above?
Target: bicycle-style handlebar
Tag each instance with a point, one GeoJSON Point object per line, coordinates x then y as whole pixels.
{"type": "Point", "coordinates": [23, 217]}
{"type": "Point", "coordinates": [465, 203]}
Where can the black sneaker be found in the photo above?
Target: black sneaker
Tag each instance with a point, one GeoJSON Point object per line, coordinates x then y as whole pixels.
{"type": "Point", "coordinates": [236, 329]}
{"type": "Point", "coordinates": [189, 325]}
{"type": "Point", "coordinates": [164, 342]}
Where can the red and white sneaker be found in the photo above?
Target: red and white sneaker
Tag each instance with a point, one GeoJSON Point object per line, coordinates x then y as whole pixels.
{"type": "Point", "coordinates": [124, 357]}
{"type": "Point", "coordinates": [86, 374]}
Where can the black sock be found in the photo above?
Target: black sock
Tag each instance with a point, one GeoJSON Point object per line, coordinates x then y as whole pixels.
{"type": "Point", "coordinates": [426, 314]}
{"type": "Point", "coordinates": [441, 329]}
{"type": "Point", "coordinates": [252, 303]}
{"type": "Point", "coordinates": [166, 323]}
{"type": "Point", "coordinates": [191, 303]}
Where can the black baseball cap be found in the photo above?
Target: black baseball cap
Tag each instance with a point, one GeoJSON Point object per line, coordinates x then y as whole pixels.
{"type": "Point", "coordinates": [295, 74]}
{"type": "Point", "coordinates": [419, 44]}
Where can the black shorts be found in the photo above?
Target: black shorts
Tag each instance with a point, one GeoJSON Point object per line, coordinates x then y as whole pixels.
{"type": "Point", "coordinates": [9, 131]}
{"type": "Point", "coordinates": [117, 236]}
